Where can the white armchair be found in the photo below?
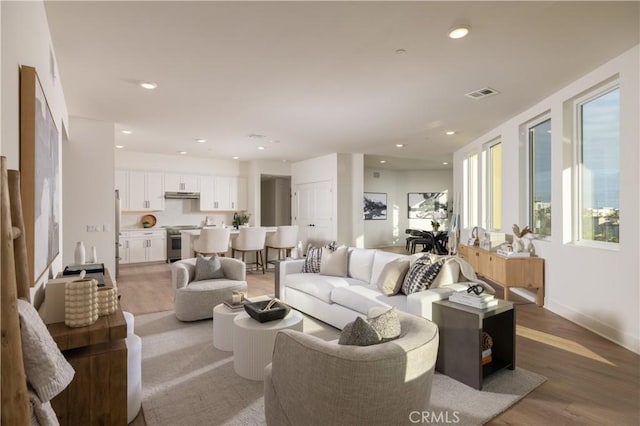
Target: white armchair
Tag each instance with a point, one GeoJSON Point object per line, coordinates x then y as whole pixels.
{"type": "Point", "coordinates": [314, 382]}
{"type": "Point", "coordinates": [195, 300]}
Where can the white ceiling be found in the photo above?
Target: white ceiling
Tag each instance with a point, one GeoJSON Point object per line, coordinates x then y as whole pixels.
{"type": "Point", "coordinates": [322, 77]}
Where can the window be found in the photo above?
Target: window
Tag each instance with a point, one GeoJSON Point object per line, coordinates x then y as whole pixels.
{"type": "Point", "coordinates": [470, 190]}
{"type": "Point", "coordinates": [494, 184]}
{"type": "Point", "coordinates": [540, 178]}
{"type": "Point", "coordinates": [598, 166]}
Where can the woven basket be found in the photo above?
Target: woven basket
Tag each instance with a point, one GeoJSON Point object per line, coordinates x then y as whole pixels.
{"type": "Point", "coordinates": [81, 303]}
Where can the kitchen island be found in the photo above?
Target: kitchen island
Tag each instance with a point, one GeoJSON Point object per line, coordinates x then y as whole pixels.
{"type": "Point", "coordinates": [189, 236]}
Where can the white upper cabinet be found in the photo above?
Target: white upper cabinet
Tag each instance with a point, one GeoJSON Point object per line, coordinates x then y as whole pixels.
{"type": "Point", "coordinates": [222, 193]}
{"type": "Point", "coordinates": [146, 191]}
{"type": "Point", "coordinates": [176, 182]}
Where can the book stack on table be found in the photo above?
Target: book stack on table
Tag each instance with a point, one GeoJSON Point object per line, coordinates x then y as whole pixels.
{"type": "Point", "coordinates": [481, 301]}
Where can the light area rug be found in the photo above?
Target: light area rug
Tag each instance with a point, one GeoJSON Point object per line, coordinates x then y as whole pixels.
{"type": "Point", "coordinates": [186, 381]}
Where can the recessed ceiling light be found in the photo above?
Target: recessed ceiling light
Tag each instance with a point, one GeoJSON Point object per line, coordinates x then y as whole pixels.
{"type": "Point", "coordinates": [459, 31]}
{"type": "Point", "coordinates": [445, 163]}
{"type": "Point", "coordinates": [400, 145]}
{"type": "Point", "coordinates": [256, 135]}
{"type": "Point", "coordinates": [450, 132]}
{"type": "Point", "coordinates": [236, 158]}
{"type": "Point", "coordinates": [119, 146]}
{"type": "Point", "coordinates": [201, 140]}
{"type": "Point", "coordinates": [400, 51]}
{"type": "Point", "coordinates": [383, 161]}
{"type": "Point", "coordinates": [126, 132]}
{"type": "Point", "coordinates": [182, 152]}
{"type": "Point", "coordinates": [274, 141]}
{"type": "Point", "coordinates": [261, 148]}
{"type": "Point", "coordinates": [148, 85]}
{"type": "Point", "coordinates": [285, 161]}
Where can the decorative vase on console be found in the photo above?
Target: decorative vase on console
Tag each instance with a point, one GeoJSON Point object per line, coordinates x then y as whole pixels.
{"type": "Point", "coordinates": [78, 256]}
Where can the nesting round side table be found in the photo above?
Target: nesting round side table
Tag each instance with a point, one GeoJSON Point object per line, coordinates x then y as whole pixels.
{"type": "Point", "coordinates": [223, 327]}
{"type": "Point", "coordinates": [253, 342]}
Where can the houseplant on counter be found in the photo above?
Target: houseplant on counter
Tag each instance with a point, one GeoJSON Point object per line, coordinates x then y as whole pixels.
{"type": "Point", "coordinates": [240, 219]}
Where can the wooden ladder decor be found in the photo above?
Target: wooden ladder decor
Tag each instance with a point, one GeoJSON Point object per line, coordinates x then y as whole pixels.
{"type": "Point", "coordinates": [15, 283]}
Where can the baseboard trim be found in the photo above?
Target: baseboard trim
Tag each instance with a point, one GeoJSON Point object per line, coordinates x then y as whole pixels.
{"type": "Point", "coordinates": [625, 340]}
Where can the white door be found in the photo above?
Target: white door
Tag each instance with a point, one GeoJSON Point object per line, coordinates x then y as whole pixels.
{"type": "Point", "coordinates": [137, 250]}
{"type": "Point", "coordinates": [172, 182]}
{"type": "Point", "coordinates": [313, 212]}
{"type": "Point", "coordinates": [190, 183]}
{"type": "Point", "coordinates": [222, 197]}
{"type": "Point", "coordinates": [156, 249]}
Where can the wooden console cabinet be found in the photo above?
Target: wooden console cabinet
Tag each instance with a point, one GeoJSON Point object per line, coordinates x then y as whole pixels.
{"type": "Point", "coordinates": [508, 272]}
{"type": "Point", "coordinates": [98, 354]}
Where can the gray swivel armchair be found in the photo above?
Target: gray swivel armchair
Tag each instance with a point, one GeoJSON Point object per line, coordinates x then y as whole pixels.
{"type": "Point", "coordinates": [314, 382]}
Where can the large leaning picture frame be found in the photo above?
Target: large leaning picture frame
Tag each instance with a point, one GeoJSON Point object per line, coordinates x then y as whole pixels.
{"type": "Point", "coordinates": [427, 205]}
{"type": "Point", "coordinates": [39, 174]}
{"type": "Point", "coordinates": [375, 206]}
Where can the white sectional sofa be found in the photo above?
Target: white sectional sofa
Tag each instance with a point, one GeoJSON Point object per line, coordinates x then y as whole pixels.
{"type": "Point", "coordinates": [338, 300]}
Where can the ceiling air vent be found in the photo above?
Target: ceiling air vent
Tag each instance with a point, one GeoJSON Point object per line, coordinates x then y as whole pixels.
{"type": "Point", "coordinates": [482, 93]}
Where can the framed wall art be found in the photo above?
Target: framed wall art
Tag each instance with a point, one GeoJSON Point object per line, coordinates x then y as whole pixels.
{"type": "Point", "coordinates": [39, 174]}
{"type": "Point", "coordinates": [427, 205]}
{"type": "Point", "coordinates": [375, 206]}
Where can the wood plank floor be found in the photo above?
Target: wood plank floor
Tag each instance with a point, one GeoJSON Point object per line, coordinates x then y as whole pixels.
{"type": "Point", "coordinates": [591, 381]}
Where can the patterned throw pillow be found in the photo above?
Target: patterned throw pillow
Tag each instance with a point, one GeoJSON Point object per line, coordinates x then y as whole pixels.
{"type": "Point", "coordinates": [208, 268]}
{"type": "Point", "coordinates": [359, 333]}
{"type": "Point", "coordinates": [385, 321]}
{"type": "Point", "coordinates": [312, 261]}
{"type": "Point", "coordinates": [421, 275]}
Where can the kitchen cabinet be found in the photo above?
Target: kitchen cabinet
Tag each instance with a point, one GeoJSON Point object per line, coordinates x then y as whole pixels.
{"type": "Point", "coordinates": [143, 246]}
{"type": "Point", "coordinates": [527, 272]}
{"type": "Point", "coordinates": [222, 193]}
{"type": "Point", "coordinates": [146, 191]}
{"type": "Point", "coordinates": [176, 182]}
{"type": "Point", "coordinates": [122, 185]}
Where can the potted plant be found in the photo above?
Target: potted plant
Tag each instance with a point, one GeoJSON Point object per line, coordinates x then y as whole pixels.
{"type": "Point", "coordinates": [240, 219]}
{"type": "Point", "coordinates": [435, 225]}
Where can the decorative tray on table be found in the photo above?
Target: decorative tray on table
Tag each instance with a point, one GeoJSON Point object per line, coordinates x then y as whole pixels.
{"type": "Point", "coordinates": [267, 310]}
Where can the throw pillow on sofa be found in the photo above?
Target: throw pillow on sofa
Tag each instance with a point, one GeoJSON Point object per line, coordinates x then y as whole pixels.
{"type": "Point", "coordinates": [208, 268]}
{"type": "Point", "coordinates": [334, 263]}
{"type": "Point", "coordinates": [392, 276]}
{"type": "Point", "coordinates": [312, 261]}
{"type": "Point", "coordinates": [421, 275]}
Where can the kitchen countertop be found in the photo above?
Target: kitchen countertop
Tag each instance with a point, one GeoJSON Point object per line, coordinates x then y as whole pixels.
{"type": "Point", "coordinates": [233, 230]}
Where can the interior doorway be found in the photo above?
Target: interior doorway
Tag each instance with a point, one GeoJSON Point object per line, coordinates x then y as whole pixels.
{"type": "Point", "coordinates": [275, 200]}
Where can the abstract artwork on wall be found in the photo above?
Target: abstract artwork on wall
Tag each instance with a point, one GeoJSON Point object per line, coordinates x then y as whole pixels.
{"type": "Point", "coordinates": [427, 205]}
{"type": "Point", "coordinates": [39, 174]}
{"type": "Point", "coordinates": [375, 206]}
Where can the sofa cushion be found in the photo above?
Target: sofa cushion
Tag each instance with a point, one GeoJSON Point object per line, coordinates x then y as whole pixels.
{"type": "Point", "coordinates": [359, 333]}
{"type": "Point", "coordinates": [319, 286]}
{"type": "Point", "coordinates": [359, 298]}
{"type": "Point", "coordinates": [217, 284]}
{"type": "Point", "coordinates": [360, 264]}
{"type": "Point", "coordinates": [392, 276]}
{"type": "Point", "coordinates": [334, 262]}
{"type": "Point", "coordinates": [208, 268]}
{"type": "Point", "coordinates": [386, 322]}
{"type": "Point", "coordinates": [421, 275]}
{"type": "Point", "coordinates": [380, 259]}
{"type": "Point", "coordinates": [312, 261]}
{"type": "Point", "coordinates": [449, 273]}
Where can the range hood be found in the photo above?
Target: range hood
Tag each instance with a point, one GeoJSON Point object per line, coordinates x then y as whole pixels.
{"type": "Point", "coordinates": [182, 195]}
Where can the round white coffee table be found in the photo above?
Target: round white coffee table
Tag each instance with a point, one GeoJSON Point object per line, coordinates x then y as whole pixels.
{"type": "Point", "coordinates": [253, 342]}
{"type": "Point", "coordinates": [223, 327]}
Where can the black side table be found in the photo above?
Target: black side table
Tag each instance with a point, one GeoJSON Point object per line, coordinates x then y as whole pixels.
{"type": "Point", "coordinates": [460, 351]}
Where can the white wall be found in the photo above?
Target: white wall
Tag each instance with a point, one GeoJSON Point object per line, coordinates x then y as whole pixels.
{"type": "Point", "coordinates": [26, 40]}
{"type": "Point", "coordinates": [397, 184]}
{"type": "Point", "coordinates": [88, 194]}
{"type": "Point", "coordinates": [594, 287]}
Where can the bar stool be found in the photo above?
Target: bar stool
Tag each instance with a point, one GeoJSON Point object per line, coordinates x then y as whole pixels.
{"type": "Point", "coordinates": [212, 241]}
{"type": "Point", "coordinates": [284, 238]}
{"type": "Point", "coordinates": [250, 240]}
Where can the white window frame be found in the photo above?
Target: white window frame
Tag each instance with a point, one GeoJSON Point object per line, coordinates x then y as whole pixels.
{"type": "Point", "coordinates": [577, 167]}
{"type": "Point", "coordinates": [528, 126]}
{"type": "Point", "coordinates": [487, 184]}
{"type": "Point", "coordinates": [470, 190]}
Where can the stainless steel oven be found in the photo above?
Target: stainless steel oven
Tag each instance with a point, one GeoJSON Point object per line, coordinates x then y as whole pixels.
{"type": "Point", "coordinates": [174, 241]}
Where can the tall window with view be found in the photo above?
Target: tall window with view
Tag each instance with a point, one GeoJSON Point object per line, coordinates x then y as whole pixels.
{"type": "Point", "coordinates": [599, 167]}
{"type": "Point", "coordinates": [540, 178]}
